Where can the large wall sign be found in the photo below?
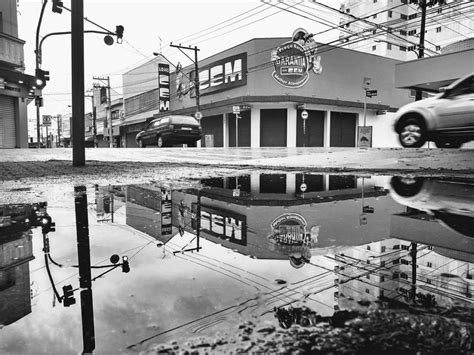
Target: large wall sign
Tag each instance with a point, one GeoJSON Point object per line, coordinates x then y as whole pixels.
{"type": "Point", "coordinates": [221, 75]}
{"type": "Point", "coordinates": [164, 86]}
{"type": "Point", "coordinates": [294, 60]}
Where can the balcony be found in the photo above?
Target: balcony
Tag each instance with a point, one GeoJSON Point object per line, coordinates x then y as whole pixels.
{"type": "Point", "coordinates": [11, 51]}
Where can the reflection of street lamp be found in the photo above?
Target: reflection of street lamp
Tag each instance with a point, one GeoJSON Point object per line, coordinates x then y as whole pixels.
{"type": "Point", "coordinates": [365, 209]}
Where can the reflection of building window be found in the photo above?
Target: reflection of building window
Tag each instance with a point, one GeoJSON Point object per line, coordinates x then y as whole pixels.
{"type": "Point", "coordinates": [396, 261]}
{"type": "Point", "coordinates": [405, 247]}
{"type": "Point", "coordinates": [367, 291]}
{"type": "Point", "coordinates": [395, 276]}
{"type": "Point", "coordinates": [367, 276]}
{"type": "Point", "coordinates": [429, 264]}
{"type": "Point", "coordinates": [403, 276]}
{"type": "Point", "coordinates": [404, 262]}
{"type": "Point", "coordinates": [383, 249]}
{"type": "Point", "coordinates": [382, 263]}
{"type": "Point", "coordinates": [368, 247]}
{"type": "Point", "coordinates": [428, 281]}
{"type": "Point", "coordinates": [396, 247]}
{"type": "Point", "coordinates": [382, 278]}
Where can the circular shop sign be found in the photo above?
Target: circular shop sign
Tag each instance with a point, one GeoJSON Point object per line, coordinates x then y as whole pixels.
{"type": "Point", "coordinates": [198, 115]}
{"type": "Point", "coordinates": [304, 114]}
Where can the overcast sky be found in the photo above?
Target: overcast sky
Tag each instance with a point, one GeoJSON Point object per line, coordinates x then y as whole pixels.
{"type": "Point", "coordinates": [149, 26]}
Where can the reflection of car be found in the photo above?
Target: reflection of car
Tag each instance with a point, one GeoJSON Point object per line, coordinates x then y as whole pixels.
{"type": "Point", "coordinates": [169, 130]}
{"type": "Point", "coordinates": [446, 118]}
{"type": "Point", "coordinates": [35, 145]}
{"type": "Point", "coordinates": [450, 201]}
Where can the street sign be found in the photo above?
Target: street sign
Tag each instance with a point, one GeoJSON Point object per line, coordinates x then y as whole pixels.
{"type": "Point", "coordinates": [370, 93]}
{"type": "Point", "coordinates": [236, 109]}
{"type": "Point", "coordinates": [304, 114]}
{"type": "Point", "coordinates": [198, 115]}
{"type": "Point", "coordinates": [46, 120]}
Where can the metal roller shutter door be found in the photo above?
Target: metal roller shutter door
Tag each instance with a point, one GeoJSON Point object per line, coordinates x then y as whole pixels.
{"type": "Point", "coordinates": [7, 122]}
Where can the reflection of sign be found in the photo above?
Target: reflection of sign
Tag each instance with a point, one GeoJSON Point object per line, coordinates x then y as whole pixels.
{"type": "Point", "coordinates": [46, 120]}
{"type": "Point", "coordinates": [364, 137]}
{"type": "Point", "coordinates": [303, 187]}
{"type": "Point", "coordinates": [304, 114]}
{"type": "Point", "coordinates": [223, 224]}
{"type": "Point", "coordinates": [166, 223]}
{"type": "Point", "coordinates": [293, 60]}
{"type": "Point", "coordinates": [366, 82]}
{"type": "Point", "coordinates": [236, 109]}
{"type": "Point", "coordinates": [290, 229]}
{"type": "Point", "coordinates": [164, 86]}
{"type": "Point", "coordinates": [370, 93]}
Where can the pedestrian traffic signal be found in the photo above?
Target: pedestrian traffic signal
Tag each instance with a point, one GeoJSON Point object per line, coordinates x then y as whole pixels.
{"type": "Point", "coordinates": [42, 76]}
{"type": "Point", "coordinates": [119, 33]}
{"type": "Point", "coordinates": [68, 296]}
{"type": "Point", "coordinates": [125, 265]}
{"type": "Point", "coordinates": [57, 6]}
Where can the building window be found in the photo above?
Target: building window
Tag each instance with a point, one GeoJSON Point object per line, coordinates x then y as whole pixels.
{"type": "Point", "coordinates": [405, 247]}
{"type": "Point", "coordinates": [390, 14]}
{"type": "Point", "coordinates": [381, 293]}
{"type": "Point", "coordinates": [368, 261]}
{"type": "Point", "coordinates": [367, 276]}
{"type": "Point", "coordinates": [396, 261]}
{"type": "Point", "coordinates": [403, 16]}
{"type": "Point", "coordinates": [438, 29]}
{"type": "Point", "coordinates": [412, 16]}
{"type": "Point", "coordinates": [382, 278]}
{"type": "Point", "coordinates": [438, 48]}
{"type": "Point", "coordinates": [440, 10]}
{"type": "Point", "coordinates": [429, 264]}
{"type": "Point", "coordinates": [375, 16]}
{"type": "Point", "coordinates": [396, 247]}
{"type": "Point", "coordinates": [368, 247]}
{"type": "Point", "coordinates": [382, 263]}
{"type": "Point", "coordinates": [428, 281]}
{"type": "Point", "coordinates": [411, 48]}
{"type": "Point", "coordinates": [367, 291]}
{"type": "Point", "coordinates": [403, 32]}
{"type": "Point", "coordinates": [389, 46]}
{"type": "Point", "coordinates": [403, 276]}
{"type": "Point", "coordinates": [403, 48]}
{"type": "Point", "coordinates": [412, 32]}
{"type": "Point", "coordinates": [404, 262]}
{"type": "Point", "coordinates": [348, 11]}
{"type": "Point", "coordinates": [383, 247]}
{"type": "Point", "coordinates": [395, 276]}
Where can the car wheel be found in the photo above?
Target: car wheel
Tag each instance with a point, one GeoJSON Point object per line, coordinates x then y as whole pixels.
{"type": "Point", "coordinates": [412, 133]}
{"type": "Point", "coordinates": [160, 142]}
{"type": "Point", "coordinates": [443, 143]}
{"type": "Point", "coordinates": [140, 143]}
{"type": "Point", "coordinates": [406, 186]}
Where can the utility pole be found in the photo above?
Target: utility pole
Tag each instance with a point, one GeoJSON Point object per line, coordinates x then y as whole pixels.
{"type": "Point", "coordinates": [196, 70]}
{"type": "Point", "coordinates": [109, 107]}
{"type": "Point", "coordinates": [77, 56]}
{"type": "Point", "coordinates": [421, 46]}
{"type": "Point", "coordinates": [94, 120]}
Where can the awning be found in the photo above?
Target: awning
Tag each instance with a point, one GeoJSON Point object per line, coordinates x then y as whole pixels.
{"type": "Point", "coordinates": [138, 118]}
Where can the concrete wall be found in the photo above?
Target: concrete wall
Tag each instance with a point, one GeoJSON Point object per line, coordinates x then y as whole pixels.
{"type": "Point", "coordinates": [9, 15]}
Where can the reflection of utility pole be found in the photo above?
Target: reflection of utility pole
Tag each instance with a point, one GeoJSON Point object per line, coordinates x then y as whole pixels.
{"type": "Point", "coordinates": [109, 107]}
{"type": "Point", "coordinates": [413, 251]}
{"type": "Point", "coordinates": [196, 70]}
{"type": "Point", "coordinates": [84, 257]}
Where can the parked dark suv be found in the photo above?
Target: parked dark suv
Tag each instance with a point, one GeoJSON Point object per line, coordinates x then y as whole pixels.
{"type": "Point", "coordinates": [169, 130]}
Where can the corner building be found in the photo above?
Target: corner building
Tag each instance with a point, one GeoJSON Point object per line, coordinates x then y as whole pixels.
{"type": "Point", "coordinates": [269, 82]}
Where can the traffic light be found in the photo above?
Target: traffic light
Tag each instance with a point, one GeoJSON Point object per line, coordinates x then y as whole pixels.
{"type": "Point", "coordinates": [125, 265]}
{"type": "Point", "coordinates": [119, 33]}
{"type": "Point", "coordinates": [57, 6]}
{"type": "Point", "coordinates": [68, 296]}
{"type": "Point", "coordinates": [42, 76]}
{"type": "Point", "coordinates": [47, 225]}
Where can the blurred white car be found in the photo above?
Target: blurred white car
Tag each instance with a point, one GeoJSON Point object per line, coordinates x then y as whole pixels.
{"type": "Point", "coordinates": [446, 118]}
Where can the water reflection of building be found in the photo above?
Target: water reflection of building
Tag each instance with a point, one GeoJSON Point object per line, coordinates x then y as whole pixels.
{"type": "Point", "coordinates": [16, 250]}
{"type": "Point", "coordinates": [279, 215]}
{"type": "Point", "coordinates": [108, 199]}
{"type": "Point", "coordinates": [148, 209]}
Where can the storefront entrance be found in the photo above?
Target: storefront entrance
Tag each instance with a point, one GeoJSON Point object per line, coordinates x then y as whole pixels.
{"type": "Point", "coordinates": [243, 127]}
{"type": "Point", "coordinates": [7, 122]}
{"type": "Point", "coordinates": [273, 127]}
{"type": "Point", "coordinates": [313, 134]}
{"type": "Point", "coordinates": [212, 126]}
{"type": "Point", "coordinates": [343, 129]}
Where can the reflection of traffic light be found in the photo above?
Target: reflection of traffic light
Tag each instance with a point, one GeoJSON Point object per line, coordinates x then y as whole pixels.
{"type": "Point", "coordinates": [68, 296]}
{"type": "Point", "coordinates": [57, 6]}
{"type": "Point", "coordinates": [125, 265]}
{"type": "Point", "coordinates": [47, 225]}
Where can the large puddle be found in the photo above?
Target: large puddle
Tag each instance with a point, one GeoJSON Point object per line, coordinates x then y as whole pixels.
{"type": "Point", "coordinates": [118, 268]}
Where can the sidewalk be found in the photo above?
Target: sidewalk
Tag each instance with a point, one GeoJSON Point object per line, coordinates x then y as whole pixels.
{"type": "Point", "coordinates": [131, 163]}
